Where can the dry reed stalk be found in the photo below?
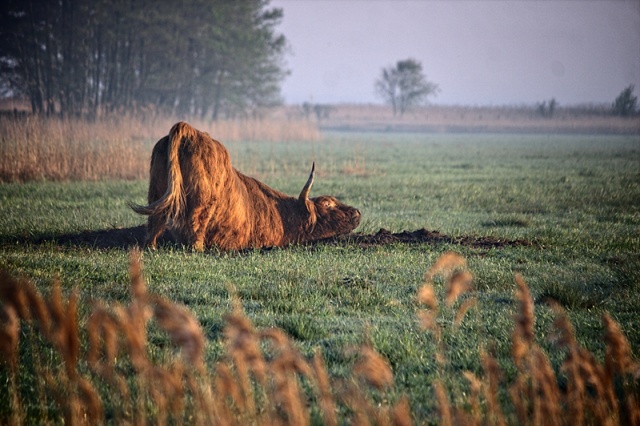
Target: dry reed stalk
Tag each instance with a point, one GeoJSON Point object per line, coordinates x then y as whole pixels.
{"type": "Point", "coordinates": [102, 332]}
{"type": "Point", "coordinates": [525, 319]}
{"type": "Point", "coordinates": [546, 393]}
{"type": "Point", "coordinates": [493, 375]}
{"type": "Point", "coordinates": [618, 359]}
{"type": "Point", "coordinates": [325, 396]}
{"type": "Point", "coordinates": [12, 294]}
{"type": "Point", "coordinates": [619, 366]}
{"type": "Point", "coordinates": [20, 300]}
{"type": "Point", "coordinates": [75, 396]}
{"type": "Point", "coordinates": [475, 386]}
{"type": "Point", "coordinates": [373, 369]}
{"type": "Point", "coordinates": [428, 318]}
{"type": "Point", "coordinates": [457, 284]}
{"type": "Point", "coordinates": [284, 367]}
{"type": "Point", "coordinates": [361, 409]}
{"type": "Point", "coordinates": [590, 386]}
{"type": "Point", "coordinates": [165, 387]}
{"type": "Point", "coordinates": [632, 407]}
{"type": "Point", "coordinates": [427, 296]}
{"type": "Point", "coordinates": [458, 281]}
{"type": "Point", "coordinates": [138, 286]}
{"type": "Point", "coordinates": [401, 412]}
{"type": "Point", "coordinates": [563, 337]}
{"type": "Point", "coordinates": [600, 400]}
{"type": "Point", "coordinates": [183, 329]}
{"type": "Point", "coordinates": [91, 402]}
{"type": "Point", "coordinates": [227, 393]}
{"type": "Point", "coordinates": [70, 338]}
{"type": "Point", "coordinates": [462, 311]}
{"type": "Point", "coordinates": [444, 408]}
{"type": "Point", "coordinates": [523, 334]}
{"type": "Point", "coordinates": [243, 347]}
{"type": "Point", "coordinates": [202, 411]}
{"type": "Point", "coordinates": [102, 327]}
{"type": "Point", "coordinates": [132, 323]}
{"type": "Point", "coordinates": [132, 320]}
{"type": "Point", "coordinates": [445, 265]}
{"type": "Point", "coordinates": [9, 336]}
{"type": "Point", "coordinates": [38, 308]}
{"type": "Point", "coordinates": [535, 393]}
{"type": "Point", "coordinates": [428, 322]}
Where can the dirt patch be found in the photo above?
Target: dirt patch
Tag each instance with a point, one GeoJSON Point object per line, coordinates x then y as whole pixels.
{"type": "Point", "coordinates": [424, 236]}
{"type": "Point", "coordinates": [134, 237]}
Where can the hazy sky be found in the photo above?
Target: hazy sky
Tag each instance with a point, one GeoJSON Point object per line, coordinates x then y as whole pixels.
{"type": "Point", "coordinates": [479, 52]}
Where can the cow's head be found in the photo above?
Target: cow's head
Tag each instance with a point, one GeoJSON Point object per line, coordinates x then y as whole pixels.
{"type": "Point", "coordinates": [328, 217]}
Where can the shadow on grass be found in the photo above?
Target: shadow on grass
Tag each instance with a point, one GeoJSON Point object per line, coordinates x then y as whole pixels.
{"type": "Point", "coordinates": [127, 238]}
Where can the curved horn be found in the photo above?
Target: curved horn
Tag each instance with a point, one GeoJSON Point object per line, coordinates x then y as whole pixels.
{"type": "Point", "coordinates": [304, 194]}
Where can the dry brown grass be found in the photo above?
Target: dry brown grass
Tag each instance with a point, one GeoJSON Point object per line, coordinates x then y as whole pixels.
{"type": "Point", "coordinates": [36, 148]}
{"type": "Point", "coordinates": [596, 393]}
{"type": "Point", "coordinates": [443, 118]}
{"type": "Point", "coordinates": [263, 378]}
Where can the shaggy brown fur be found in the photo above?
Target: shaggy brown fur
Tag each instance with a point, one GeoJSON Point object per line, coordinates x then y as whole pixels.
{"type": "Point", "coordinates": [196, 193]}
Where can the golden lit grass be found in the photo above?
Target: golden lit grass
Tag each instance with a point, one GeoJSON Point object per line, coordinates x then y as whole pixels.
{"type": "Point", "coordinates": [119, 147]}
{"type": "Point", "coordinates": [262, 378]}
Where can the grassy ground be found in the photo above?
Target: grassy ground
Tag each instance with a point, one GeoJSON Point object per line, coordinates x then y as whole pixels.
{"type": "Point", "coordinates": [577, 198]}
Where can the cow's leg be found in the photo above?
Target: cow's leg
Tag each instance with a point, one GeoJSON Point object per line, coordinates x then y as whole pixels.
{"type": "Point", "coordinates": [156, 225]}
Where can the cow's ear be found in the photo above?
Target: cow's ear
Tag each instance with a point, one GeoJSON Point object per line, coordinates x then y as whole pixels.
{"type": "Point", "coordinates": [304, 194]}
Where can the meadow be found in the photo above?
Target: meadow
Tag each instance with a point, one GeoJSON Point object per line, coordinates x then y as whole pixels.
{"type": "Point", "coordinates": [571, 201]}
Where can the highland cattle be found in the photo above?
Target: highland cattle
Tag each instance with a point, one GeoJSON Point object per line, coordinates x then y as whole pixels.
{"type": "Point", "coordinates": [196, 194]}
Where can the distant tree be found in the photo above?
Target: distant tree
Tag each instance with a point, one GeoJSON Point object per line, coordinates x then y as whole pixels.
{"type": "Point", "coordinates": [404, 85]}
{"type": "Point", "coordinates": [207, 58]}
{"type": "Point", "coordinates": [625, 104]}
{"type": "Point", "coordinates": [547, 109]}
{"type": "Point", "coordinates": [307, 107]}
{"type": "Point", "coordinates": [322, 111]}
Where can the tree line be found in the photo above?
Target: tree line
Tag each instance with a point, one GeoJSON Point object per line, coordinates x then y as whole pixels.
{"type": "Point", "coordinates": [205, 58]}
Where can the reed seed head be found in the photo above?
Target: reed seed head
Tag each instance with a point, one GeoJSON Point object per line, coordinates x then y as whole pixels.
{"type": "Point", "coordinates": [463, 309]}
{"type": "Point", "coordinates": [12, 294]}
{"type": "Point", "coordinates": [525, 318]}
{"type": "Point", "coordinates": [373, 368]}
{"type": "Point", "coordinates": [183, 328]}
{"type": "Point", "coordinates": [138, 287]}
{"type": "Point", "coordinates": [427, 296]}
{"type": "Point", "coordinates": [9, 335]}
{"type": "Point", "coordinates": [401, 412]}
{"type": "Point", "coordinates": [458, 284]}
{"type": "Point", "coordinates": [444, 265]}
{"type": "Point", "coordinates": [618, 357]}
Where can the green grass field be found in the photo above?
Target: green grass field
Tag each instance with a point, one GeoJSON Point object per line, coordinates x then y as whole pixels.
{"type": "Point", "coordinates": [575, 198]}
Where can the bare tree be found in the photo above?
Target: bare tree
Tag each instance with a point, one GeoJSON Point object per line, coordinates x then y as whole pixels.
{"type": "Point", "coordinates": [404, 86]}
{"type": "Point", "coordinates": [625, 104]}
